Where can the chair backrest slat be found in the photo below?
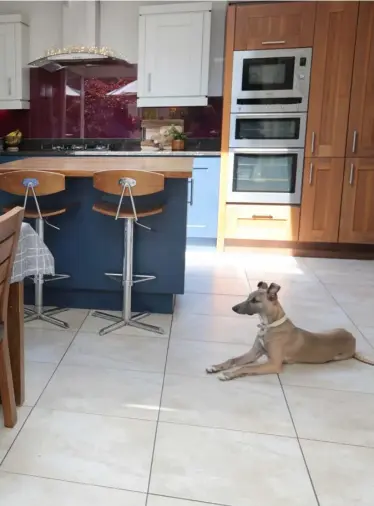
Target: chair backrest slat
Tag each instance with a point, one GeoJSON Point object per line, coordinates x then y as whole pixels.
{"type": "Point", "coordinates": [10, 227]}
{"type": "Point", "coordinates": [147, 183]}
{"type": "Point", "coordinates": [15, 182]}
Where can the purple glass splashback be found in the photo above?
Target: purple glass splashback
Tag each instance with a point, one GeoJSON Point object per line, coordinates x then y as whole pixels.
{"type": "Point", "coordinates": [98, 102]}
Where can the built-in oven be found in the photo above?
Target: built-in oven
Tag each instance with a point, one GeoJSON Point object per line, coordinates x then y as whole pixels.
{"type": "Point", "coordinates": [271, 80]}
{"type": "Point", "coordinates": [265, 176]}
{"type": "Point", "coordinates": [269, 130]}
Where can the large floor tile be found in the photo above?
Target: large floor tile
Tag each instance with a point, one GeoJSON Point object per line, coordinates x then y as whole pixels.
{"type": "Point", "coordinates": [348, 375]}
{"type": "Point", "coordinates": [209, 304]}
{"type": "Point", "coordinates": [215, 285]}
{"type": "Point", "coordinates": [118, 352]}
{"type": "Point", "coordinates": [91, 449]}
{"type": "Point", "coordinates": [17, 490]}
{"type": "Point", "coordinates": [7, 436]}
{"type": "Point", "coordinates": [342, 474]}
{"type": "Point", "coordinates": [330, 415]}
{"type": "Point", "coordinates": [100, 391]}
{"type": "Point", "coordinates": [246, 404]}
{"type": "Point", "coordinates": [368, 333]}
{"type": "Point", "coordinates": [45, 345]}
{"type": "Point", "coordinates": [317, 318]}
{"type": "Point", "coordinates": [94, 324]}
{"type": "Point", "coordinates": [226, 329]}
{"type": "Point", "coordinates": [74, 317]}
{"type": "Point", "coordinates": [156, 500]}
{"type": "Point", "coordinates": [37, 375]}
{"type": "Point", "coordinates": [229, 467]}
{"type": "Point", "coordinates": [192, 357]}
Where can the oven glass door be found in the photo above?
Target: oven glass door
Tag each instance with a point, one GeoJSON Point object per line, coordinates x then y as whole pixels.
{"type": "Point", "coordinates": [268, 73]}
{"type": "Point", "coordinates": [267, 130]}
{"type": "Point", "coordinates": [273, 177]}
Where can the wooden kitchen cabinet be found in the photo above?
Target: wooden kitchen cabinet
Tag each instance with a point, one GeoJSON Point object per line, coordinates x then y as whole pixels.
{"type": "Point", "coordinates": [360, 139]}
{"type": "Point", "coordinates": [357, 214]}
{"type": "Point", "coordinates": [274, 25]}
{"type": "Point", "coordinates": [262, 222]}
{"type": "Point", "coordinates": [14, 74]}
{"type": "Point", "coordinates": [331, 78]}
{"type": "Point", "coordinates": [321, 199]}
{"type": "Point", "coordinates": [174, 48]}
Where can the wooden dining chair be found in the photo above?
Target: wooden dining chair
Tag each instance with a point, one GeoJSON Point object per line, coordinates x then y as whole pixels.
{"type": "Point", "coordinates": [10, 226]}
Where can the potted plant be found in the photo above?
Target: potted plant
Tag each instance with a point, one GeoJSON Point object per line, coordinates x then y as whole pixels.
{"type": "Point", "coordinates": [177, 138]}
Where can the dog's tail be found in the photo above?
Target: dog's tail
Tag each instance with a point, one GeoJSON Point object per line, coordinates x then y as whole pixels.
{"type": "Point", "coordinates": [361, 358]}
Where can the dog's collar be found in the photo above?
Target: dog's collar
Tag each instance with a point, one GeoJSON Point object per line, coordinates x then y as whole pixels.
{"type": "Point", "coordinates": [264, 326]}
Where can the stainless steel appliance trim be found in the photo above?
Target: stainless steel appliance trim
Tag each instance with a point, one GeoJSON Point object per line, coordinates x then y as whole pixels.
{"type": "Point", "coordinates": [268, 143]}
{"type": "Point", "coordinates": [300, 89]}
{"type": "Point", "coordinates": [265, 197]}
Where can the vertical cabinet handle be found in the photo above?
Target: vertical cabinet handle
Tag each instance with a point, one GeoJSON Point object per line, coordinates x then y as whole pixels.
{"type": "Point", "coordinates": [191, 192]}
{"type": "Point", "coordinates": [352, 174]}
{"type": "Point", "coordinates": [311, 168]}
{"type": "Point", "coordinates": [149, 82]}
{"type": "Point", "coordinates": [313, 142]}
{"type": "Point", "coordinates": [354, 143]}
{"type": "Point", "coordinates": [9, 86]}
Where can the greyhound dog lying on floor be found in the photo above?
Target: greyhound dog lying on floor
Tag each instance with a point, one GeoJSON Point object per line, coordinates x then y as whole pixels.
{"type": "Point", "coordinates": [282, 342]}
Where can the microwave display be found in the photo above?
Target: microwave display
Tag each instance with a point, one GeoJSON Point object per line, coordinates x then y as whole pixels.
{"type": "Point", "coordinates": [268, 74]}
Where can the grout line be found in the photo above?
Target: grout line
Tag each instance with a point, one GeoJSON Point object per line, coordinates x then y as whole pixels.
{"type": "Point", "coordinates": [159, 412]}
{"type": "Point", "coordinates": [192, 501]}
{"type": "Point", "coordinates": [75, 333]}
{"type": "Point", "coordinates": [298, 440]}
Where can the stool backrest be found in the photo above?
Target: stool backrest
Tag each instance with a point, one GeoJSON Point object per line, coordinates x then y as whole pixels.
{"type": "Point", "coordinates": [10, 227]}
{"type": "Point", "coordinates": [109, 181]}
{"type": "Point", "coordinates": [43, 182]}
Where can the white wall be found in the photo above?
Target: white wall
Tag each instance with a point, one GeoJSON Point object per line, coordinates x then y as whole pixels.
{"type": "Point", "coordinates": [119, 30]}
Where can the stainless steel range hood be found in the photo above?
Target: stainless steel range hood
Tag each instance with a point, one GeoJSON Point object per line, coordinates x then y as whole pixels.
{"type": "Point", "coordinates": [81, 26]}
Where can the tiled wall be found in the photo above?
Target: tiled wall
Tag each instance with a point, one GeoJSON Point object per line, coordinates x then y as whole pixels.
{"type": "Point", "coordinates": [98, 102]}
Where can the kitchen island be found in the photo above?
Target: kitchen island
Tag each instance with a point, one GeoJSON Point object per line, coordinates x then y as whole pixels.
{"type": "Point", "coordinates": [89, 244]}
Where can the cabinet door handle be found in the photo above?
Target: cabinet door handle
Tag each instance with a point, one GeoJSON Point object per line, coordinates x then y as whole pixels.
{"type": "Point", "coordinates": [191, 192]}
{"type": "Point", "coordinates": [354, 141]}
{"type": "Point", "coordinates": [313, 142]}
{"type": "Point", "coordinates": [268, 42]}
{"type": "Point", "coordinates": [262, 217]}
{"type": "Point", "coordinates": [352, 174]}
{"type": "Point", "coordinates": [9, 86]}
{"type": "Point", "coordinates": [311, 174]}
{"type": "Point", "coordinates": [149, 82]}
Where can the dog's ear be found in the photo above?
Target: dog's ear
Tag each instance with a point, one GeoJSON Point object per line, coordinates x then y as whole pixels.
{"type": "Point", "coordinates": [273, 291]}
{"type": "Point", "coordinates": [262, 285]}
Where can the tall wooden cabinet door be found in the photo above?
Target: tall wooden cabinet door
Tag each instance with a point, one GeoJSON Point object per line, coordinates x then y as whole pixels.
{"type": "Point", "coordinates": [321, 199]}
{"type": "Point", "coordinates": [357, 215]}
{"type": "Point", "coordinates": [360, 140]}
{"type": "Point", "coordinates": [274, 25]}
{"type": "Point", "coordinates": [330, 87]}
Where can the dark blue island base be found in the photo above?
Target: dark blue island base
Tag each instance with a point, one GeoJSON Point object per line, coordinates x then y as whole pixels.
{"type": "Point", "coordinates": [89, 244]}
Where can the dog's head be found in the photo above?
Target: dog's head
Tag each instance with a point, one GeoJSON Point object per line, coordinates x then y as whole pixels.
{"type": "Point", "coordinates": [261, 301]}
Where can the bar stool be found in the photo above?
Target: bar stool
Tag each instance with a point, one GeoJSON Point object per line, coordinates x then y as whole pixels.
{"type": "Point", "coordinates": [127, 183]}
{"type": "Point", "coordinates": [37, 183]}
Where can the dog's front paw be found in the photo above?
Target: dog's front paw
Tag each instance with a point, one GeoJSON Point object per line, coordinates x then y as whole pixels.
{"type": "Point", "coordinates": [225, 376]}
{"type": "Point", "coordinates": [212, 370]}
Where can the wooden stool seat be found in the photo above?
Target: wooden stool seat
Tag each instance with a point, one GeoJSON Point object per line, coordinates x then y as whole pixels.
{"type": "Point", "coordinates": [33, 213]}
{"type": "Point", "coordinates": [110, 209]}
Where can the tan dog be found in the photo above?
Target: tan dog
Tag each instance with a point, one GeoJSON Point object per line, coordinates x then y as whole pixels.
{"type": "Point", "coordinates": [282, 342]}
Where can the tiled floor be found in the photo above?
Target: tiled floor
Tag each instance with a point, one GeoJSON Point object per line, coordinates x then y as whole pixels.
{"type": "Point", "coordinates": [131, 419]}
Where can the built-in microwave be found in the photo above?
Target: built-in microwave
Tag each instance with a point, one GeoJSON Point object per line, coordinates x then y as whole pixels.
{"type": "Point", "coordinates": [265, 176]}
{"type": "Point", "coordinates": [274, 80]}
{"type": "Point", "coordinates": [269, 130]}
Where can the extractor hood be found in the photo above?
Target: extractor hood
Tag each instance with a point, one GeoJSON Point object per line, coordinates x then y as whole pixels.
{"type": "Point", "coordinates": [80, 39]}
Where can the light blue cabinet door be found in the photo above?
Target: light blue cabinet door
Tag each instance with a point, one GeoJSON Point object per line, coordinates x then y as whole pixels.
{"type": "Point", "coordinates": [203, 198]}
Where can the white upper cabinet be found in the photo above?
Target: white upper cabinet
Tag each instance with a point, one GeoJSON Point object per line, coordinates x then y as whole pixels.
{"type": "Point", "coordinates": [174, 46]}
{"type": "Point", "coordinates": [14, 74]}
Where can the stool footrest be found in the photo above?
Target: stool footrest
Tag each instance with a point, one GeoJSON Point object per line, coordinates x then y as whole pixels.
{"type": "Point", "coordinates": [57, 277]}
{"type": "Point", "coordinates": [46, 316]}
{"type": "Point", "coordinates": [142, 277]}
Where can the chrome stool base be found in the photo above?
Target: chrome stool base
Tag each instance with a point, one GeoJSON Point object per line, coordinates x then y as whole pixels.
{"type": "Point", "coordinates": [46, 316]}
{"type": "Point", "coordinates": [120, 322]}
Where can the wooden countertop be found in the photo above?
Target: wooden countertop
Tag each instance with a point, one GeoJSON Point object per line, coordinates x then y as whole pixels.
{"type": "Point", "coordinates": [74, 166]}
